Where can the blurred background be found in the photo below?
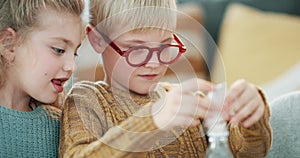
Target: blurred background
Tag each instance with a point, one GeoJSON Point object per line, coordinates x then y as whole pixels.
{"type": "Point", "coordinates": [258, 40]}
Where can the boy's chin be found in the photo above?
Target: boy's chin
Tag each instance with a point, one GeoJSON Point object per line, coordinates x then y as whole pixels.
{"type": "Point", "coordinates": [145, 90]}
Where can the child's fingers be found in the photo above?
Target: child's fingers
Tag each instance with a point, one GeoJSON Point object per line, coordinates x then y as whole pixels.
{"type": "Point", "coordinates": [245, 111]}
{"type": "Point", "coordinates": [238, 103]}
{"type": "Point", "coordinates": [230, 110]}
{"type": "Point", "coordinates": [178, 110]}
{"type": "Point", "coordinates": [194, 105]}
{"type": "Point", "coordinates": [195, 84]}
{"type": "Point", "coordinates": [235, 91]}
{"type": "Point", "coordinates": [186, 121]}
{"type": "Point", "coordinates": [254, 117]}
{"type": "Point", "coordinates": [239, 95]}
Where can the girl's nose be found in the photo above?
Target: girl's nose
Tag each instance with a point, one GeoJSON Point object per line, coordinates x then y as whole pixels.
{"type": "Point", "coordinates": [69, 64]}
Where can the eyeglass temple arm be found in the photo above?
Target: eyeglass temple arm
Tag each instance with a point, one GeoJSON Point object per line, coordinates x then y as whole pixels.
{"type": "Point", "coordinates": [109, 41]}
{"type": "Point", "coordinates": [182, 46]}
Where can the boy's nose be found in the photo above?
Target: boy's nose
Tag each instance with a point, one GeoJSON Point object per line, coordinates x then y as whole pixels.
{"type": "Point", "coordinates": [153, 62]}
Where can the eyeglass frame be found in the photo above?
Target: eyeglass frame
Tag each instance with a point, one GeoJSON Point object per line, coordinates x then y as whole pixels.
{"type": "Point", "coordinates": [181, 46]}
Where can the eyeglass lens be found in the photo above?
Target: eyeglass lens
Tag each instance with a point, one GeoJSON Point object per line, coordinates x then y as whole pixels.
{"type": "Point", "coordinates": [140, 55]}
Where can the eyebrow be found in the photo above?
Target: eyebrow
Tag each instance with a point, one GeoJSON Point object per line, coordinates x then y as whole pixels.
{"type": "Point", "coordinates": [140, 41]}
{"type": "Point", "coordinates": [68, 42]}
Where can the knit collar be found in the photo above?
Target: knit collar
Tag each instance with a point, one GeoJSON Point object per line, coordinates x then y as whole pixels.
{"type": "Point", "coordinates": [138, 99]}
{"type": "Point", "coordinates": [36, 113]}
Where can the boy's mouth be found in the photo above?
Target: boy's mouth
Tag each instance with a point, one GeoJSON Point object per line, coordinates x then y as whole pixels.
{"type": "Point", "coordinates": [58, 84]}
{"type": "Point", "coordinates": [149, 76]}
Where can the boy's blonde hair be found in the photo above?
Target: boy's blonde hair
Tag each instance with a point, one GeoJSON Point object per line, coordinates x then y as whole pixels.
{"type": "Point", "coordinates": [139, 14]}
{"type": "Point", "coordinates": [22, 16]}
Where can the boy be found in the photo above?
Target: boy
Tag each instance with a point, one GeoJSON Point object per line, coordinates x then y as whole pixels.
{"type": "Point", "coordinates": [129, 114]}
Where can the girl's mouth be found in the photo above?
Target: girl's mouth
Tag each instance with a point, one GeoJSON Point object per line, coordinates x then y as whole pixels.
{"type": "Point", "coordinates": [58, 84]}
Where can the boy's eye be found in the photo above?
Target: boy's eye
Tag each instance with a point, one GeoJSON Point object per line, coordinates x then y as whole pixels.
{"type": "Point", "coordinates": [58, 50]}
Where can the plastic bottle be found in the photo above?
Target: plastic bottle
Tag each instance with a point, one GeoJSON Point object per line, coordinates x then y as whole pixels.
{"type": "Point", "coordinates": [216, 127]}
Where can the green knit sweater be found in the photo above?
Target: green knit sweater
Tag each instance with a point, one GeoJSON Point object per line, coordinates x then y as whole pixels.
{"type": "Point", "coordinates": [29, 134]}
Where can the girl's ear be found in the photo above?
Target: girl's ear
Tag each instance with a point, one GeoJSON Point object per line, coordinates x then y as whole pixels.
{"type": "Point", "coordinates": [94, 38]}
{"type": "Point", "coordinates": [7, 39]}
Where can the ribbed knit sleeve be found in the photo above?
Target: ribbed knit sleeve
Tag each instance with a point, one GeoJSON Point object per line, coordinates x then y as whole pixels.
{"type": "Point", "coordinates": [254, 141]}
{"type": "Point", "coordinates": [87, 132]}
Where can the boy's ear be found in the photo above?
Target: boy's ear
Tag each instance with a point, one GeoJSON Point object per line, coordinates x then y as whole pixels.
{"type": "Point", "coordinates": [94, 38]}
{"type": "Point", "coordinates": [7, 39]}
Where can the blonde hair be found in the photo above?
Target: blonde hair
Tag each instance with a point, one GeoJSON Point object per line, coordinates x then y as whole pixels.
{"type": "Point", "coordinates": [22, 16]}
{"type": "Point", "coordinates": [139, 14]}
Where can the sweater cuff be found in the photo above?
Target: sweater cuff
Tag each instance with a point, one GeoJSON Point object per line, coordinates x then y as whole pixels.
{"type": "Point", "coordinates": [265, 119]}
{"type": "Point", "coordinates": [255, 139]}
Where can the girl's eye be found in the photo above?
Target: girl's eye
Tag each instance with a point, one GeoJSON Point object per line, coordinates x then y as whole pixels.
{"type": "Point", "coordinates": [58, 50]}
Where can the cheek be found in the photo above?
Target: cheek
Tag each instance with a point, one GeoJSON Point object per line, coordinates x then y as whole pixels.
{"type": "Point", "coordinates": [47, 69]}
{"type": "Point", "coordinates": [123, 71]}
{"type": "Point", "coordinates": [164, 69]}
{"type": "Point", "coordinates": [50, 64]}
{"type": "Point", "coordinates": [115, 65]}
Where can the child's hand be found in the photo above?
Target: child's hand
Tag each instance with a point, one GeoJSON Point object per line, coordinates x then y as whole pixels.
{"type": "Point", "coordinates": [180, 107]}
{"type": "Point", "coordinates": [243, 104]}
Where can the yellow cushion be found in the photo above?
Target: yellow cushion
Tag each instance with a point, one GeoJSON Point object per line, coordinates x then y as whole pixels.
{"type": "Point", "coordinates": [256, 45]}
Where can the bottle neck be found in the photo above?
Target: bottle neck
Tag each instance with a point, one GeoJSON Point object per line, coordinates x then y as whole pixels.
{"type": "Point", "coordinates": [218, 130]}
{"type": "Point", "coordinates": [218, 141]}
{"type": "Point", "coordinates": [223, 138]}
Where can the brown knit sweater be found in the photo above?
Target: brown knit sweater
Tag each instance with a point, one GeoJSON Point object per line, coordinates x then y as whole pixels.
{"type": "Point", "coordinates": [100, 121]}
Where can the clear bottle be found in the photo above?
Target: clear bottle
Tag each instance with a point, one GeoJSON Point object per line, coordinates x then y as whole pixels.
{"type": "Point", "coordinates": [218, 143]}
{"type": "Point", "coordinates": [216, 129]}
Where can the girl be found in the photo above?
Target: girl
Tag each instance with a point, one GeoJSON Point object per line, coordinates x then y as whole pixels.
{"type": "Point", "coordinates": [38, 44]}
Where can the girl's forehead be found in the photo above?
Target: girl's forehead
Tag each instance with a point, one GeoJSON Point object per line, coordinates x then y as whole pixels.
{"type": "Point", "coordinates": [49, 16]}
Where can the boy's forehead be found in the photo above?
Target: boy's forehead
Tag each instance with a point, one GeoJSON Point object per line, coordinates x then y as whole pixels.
{"type": "Point", "coordinates": [140, 32]}
{"type": "Point", "coordinates": [144, 18]}
{"type": "Point", "coordinates": [144, 36]}
{"type": "Point", "coordinates": [139, 13]}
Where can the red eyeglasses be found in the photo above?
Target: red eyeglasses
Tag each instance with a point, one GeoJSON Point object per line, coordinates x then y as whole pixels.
{"type": "Point", "coordinates": [140, 55]}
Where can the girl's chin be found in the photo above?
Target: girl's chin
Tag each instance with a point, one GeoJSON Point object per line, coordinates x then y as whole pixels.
{"type": "Point", "coordinates": [50, 100]}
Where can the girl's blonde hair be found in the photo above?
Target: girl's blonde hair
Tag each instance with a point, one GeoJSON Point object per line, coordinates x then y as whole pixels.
{"type": "Point", "coordinates": [22, 16]}
{"type": "Point", "coordinates": [139, 14]}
